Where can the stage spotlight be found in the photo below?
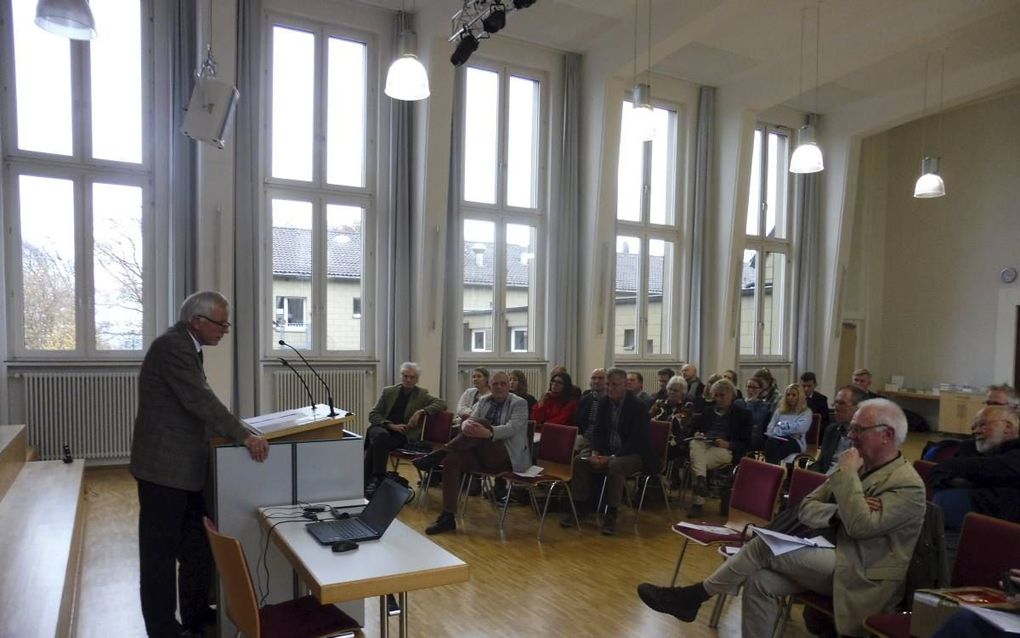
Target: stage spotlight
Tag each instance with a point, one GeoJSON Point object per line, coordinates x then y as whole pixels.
{"type": "Point", "coordinates": [468, 44]}
{"type": "Point", "coordinates": [523, 4]}
{"type": "Point", "coordinates": [496, 19]}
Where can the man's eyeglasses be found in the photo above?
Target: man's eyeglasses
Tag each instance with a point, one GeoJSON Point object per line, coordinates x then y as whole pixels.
{"type": "Point", "coordinates": [977, 425]}
{"type": "Point", "coordinates": [994, 403]}
{"type": "Point", "coordinates": [222, 324]}
{"type": "Point", "coordinates": [857, 430]}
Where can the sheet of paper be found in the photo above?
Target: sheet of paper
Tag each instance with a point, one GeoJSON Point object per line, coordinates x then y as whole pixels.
{"type": "Point", "coordinates": [1005, 620]}
{"type": "Point", "coordinates": [711, 529]}
{"type": "Point", "coordinates": [531, 472]}
{"type": "Point", "coordinates": [784, 543]}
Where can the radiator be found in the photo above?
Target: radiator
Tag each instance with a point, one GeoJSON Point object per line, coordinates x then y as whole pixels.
{"type": "Point", "coordinates": [93, 413]}
{"type": "Point", "coordinates": [347, 386]}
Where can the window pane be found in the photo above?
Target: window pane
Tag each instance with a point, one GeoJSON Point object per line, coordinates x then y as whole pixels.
{"type": "Point", "coordinates": [481, 102]}
{"type": "Point", "coordinates": [748, 307]}
{"type": "Point", "coordinates": [660, 296]}
{"type": "Point", "coordinates": [629, 172]}
{"type": "Point", "coordinates": [344, 262]}
{"type": "Point", "coordinates": [116, 76]}
{"type": "Point", "coordinates": [660, 204]}
{"type": "Point", "coordinates": [117, 256]}
{"type": "Point", "coordinates": [522, 143]}
{"type": "Point", "coordinates": [754, 192]}
{"type": "Point", "coordinates": [42, 69]}
{"type": "Point", "coordinates": [520, 285]}
{"type": "Point", "coordinates": [293, 103]}
{"type": "Point", "coordinates": [775, 195]}
{"type": "Point", "coordinates": [625, 298]}
{"type": "Point", "coordinates": [345, 116]}
{"type": "Point", "coordinates": [48, 262]}
{"type": "Point", "coordinates": [292, 268]}
{"type": "Point", "coordinates": [479, 277]}
{"type": "Point", "coordinates": [773, 303]}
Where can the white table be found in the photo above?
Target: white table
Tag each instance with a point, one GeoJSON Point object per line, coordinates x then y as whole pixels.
{"type": "Point", "coordinates": [401, 561]}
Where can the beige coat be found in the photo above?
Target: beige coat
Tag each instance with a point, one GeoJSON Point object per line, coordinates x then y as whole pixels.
{"type": "Point", "coordinates": [873, 548]}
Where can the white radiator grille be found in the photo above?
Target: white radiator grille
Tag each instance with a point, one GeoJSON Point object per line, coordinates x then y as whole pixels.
{"type": "Point", "coordinates": [93, 413]}
{"type": "Point", "coordinates": [347, 386]}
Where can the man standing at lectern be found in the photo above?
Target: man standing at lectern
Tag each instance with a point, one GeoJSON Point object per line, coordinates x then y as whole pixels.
{"type": "Point", "coordinates": [178, 414]}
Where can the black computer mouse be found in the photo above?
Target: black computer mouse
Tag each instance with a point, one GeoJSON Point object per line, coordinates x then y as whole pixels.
{"type": "Point", "coordinates": [344, 546]}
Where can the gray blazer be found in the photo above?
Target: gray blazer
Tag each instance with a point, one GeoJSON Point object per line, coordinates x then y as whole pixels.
{"type": "Point", "coordinates": [511, 428]}
{"type": "Point", "coordinates": [177, 415]}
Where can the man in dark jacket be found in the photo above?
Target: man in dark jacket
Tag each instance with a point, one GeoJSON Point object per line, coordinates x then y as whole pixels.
{"type": "Point", "coordinates": [837, 438]}
{"type": "Point", "coordinates": [818, 402]}
{"type": "Point", "coordinates": [722, 436]}
{"type": "Point", "coordinates": [621, 446]}
{"type": "Point", "coordinates": [584, 415]}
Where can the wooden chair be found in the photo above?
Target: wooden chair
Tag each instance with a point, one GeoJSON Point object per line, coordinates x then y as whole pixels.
{"type": "Point", "coordinates": [988, 547]}
{"type": "Point", "coordinates": [752, 502]}
{"type": "Point", "coordinates": [659, 433]}
{"type": "Point", "coordinates": [556, 458]}
{"type": "Point", "coordinates": [300, 618]}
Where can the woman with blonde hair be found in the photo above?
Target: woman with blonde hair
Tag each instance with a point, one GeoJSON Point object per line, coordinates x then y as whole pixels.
{"type": "Point", "coordinates": [784, 436]}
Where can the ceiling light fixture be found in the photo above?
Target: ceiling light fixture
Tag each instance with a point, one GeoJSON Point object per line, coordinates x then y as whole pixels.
{"type": "Point", "coordinates": [406, 78]}
{"type": "Point", "coordinates": [477, 20]}
{"type": "Point", "coordinates": [496, 19]}
{"type": "Point", "coordinates": [68, 18]}
{"type": "Point", "coordinates": [468, 44]}
{"type": "Point", "coordinates": [930, 183]}
{"type": "Point", "coordinates": [642, 114]}
{"type": "Point", "coordinates": [807, 157]}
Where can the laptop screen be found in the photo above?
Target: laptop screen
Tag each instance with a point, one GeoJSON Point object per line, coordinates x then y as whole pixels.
{"type": "Point", "coordinates": [389, 498]}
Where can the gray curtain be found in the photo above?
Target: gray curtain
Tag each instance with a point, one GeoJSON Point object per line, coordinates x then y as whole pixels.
{"type": "Point", "coordinates": [704, 141]}
{"type": "Point", "coordinates": [451, 322]}
{"type": "Point", "coordinates": [564, 222]}
{"type": "Point", "coordinates": [397, 340]}
{"type": "Point", "coordinates": [183, 158]}
{"type": "Point", "coordinates": [807, 210]}
{"type": "Point", "coordinates": [247, 204]}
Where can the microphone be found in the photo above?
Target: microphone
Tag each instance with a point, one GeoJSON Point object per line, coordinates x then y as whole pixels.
{"type": "Point", "coordinates": [286, 364]}
{"type": "Point", "coordinates": [329, 393]}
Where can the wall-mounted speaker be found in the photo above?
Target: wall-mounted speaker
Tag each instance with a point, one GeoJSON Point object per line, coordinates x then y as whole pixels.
{"type": "Point", "coordinates": [211, 111]}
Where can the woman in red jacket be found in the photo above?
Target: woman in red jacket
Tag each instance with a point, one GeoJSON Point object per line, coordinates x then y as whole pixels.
{"type": "Point", "coordinates": [556, 405]}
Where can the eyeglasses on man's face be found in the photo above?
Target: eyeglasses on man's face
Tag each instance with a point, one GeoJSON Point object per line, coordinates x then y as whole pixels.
{"type": "Point", "coordinates": [222, 324]}
{"type": "Point", "coordinates": [856, 429]}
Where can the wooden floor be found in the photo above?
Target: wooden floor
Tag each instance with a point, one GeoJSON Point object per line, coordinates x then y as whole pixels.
{"type": "Point", "coordinates": [569, 584]}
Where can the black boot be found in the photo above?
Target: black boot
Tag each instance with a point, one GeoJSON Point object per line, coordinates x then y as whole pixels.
{"type": "Point", "coordinates": [372, 486]}
{"type": "Point", "coordinates": [682, 602]}
{"type": "Point", "coordinates": [430, 461]}
{"type": "Point", "coordinates": [445, 523]}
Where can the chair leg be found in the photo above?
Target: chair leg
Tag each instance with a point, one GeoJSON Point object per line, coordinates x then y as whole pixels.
{"type": "Point", "coordinates": [534, 500]}
{"type": "Point", "coordinates": [680, 558]}
{"type": "Point", "coordinates": [426, 480]}
{"type": "Point", "coordinates": [784, 617]}
{"type": "Point", "coordinates": [506, 504]}
{"type": "Point", "coordinates": [462, 494]}
{"type": "Point", "coordinates": [548, 497]}
{"type": "Point", "coordinates": [573, 510]}
{"type": "Point", "coordinates": [664, 484]}
{"type": "Point", "coordinates": [717, 610]}
{"type": "Point", "coordinates": [641, 502]}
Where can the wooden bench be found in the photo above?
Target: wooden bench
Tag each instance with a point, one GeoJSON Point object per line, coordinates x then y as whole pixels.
{"type": "Point", "coordinates": [42, 511]}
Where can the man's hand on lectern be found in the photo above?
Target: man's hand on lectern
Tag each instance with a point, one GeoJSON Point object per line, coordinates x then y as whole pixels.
{"type": "Point", "coordinates": [258, 447]}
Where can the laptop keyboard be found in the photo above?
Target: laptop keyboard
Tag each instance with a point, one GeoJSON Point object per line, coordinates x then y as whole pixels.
{"type": "Point", "coordinates": [346, 529]}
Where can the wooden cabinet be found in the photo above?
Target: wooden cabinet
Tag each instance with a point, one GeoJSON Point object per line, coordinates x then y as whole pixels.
{"type": "Point", "coordinates": [957, 410]}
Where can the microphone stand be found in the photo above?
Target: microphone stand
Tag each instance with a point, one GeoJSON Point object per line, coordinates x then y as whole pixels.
{"type": "Point", "coordinates": [287, 365]}
{"type": "Point", "coordinates": [329, 393]}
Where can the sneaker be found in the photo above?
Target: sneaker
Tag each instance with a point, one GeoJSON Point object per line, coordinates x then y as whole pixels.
{"type": "Point", "coordinates": [430, 461]}
{"type": "Point", "coordinates": [609, 524]}
{"type": "Point", "coordinates": [445, 523]}
{"type": "Point", "coordinates": [681, 602]}
{"type": "Point", "coordinates": [696, 509]}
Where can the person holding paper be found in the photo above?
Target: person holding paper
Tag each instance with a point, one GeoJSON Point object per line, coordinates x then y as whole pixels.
{"type": "Point", "coordinates": [722, 436]}
{"type": "Point", "coordinates": [872, 508]}
{"type": "Point", "coordinates": [493, 439]}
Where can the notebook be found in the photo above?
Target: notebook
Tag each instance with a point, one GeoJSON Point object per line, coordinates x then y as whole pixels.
{"type": "Point", "coordinates": [371, 523]}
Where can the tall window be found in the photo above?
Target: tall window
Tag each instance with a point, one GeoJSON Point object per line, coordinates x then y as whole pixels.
{"type": "Point", "coordinates": [319, 186]}
{"type": "Point", "coordinates": [78, 145]}
{"type": "Point", "coordinates": [764, 324]}
{"type": "Point", "coordinates": [503, 205]}
{"type": "Point", "coordinates": [646, 239]}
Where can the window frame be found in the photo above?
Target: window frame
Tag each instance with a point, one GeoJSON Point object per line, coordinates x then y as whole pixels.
{"type": "Point", "coordinates": [150, 175]}
{"type": "Point", "coordinates": [765, 245]}
{"type": "Point", "coordinates": [647, 231]}
{"type": "Point", "coordinates": [321, 194]}
{"type": "Point", "coordinates": [502, 214]}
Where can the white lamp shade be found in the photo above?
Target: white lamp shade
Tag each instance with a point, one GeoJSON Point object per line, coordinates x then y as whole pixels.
{"type": "Point", "coordinates": [929, 184]}
{"type": "Point", "coordinates": [68, 18]}
{"type": "Point", "coordinates": [643, 120]}
{"type": "Point", "coordinates": [807, 158]}
{"type": "Point", "coordinates": [407, 79]}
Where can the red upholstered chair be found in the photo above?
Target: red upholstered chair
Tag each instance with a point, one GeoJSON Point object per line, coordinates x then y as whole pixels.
{"type": "Point", "coordinates": [752, 502]}
{"type": "Point", "coordinates": [659, 433]}
{"type": "Point", "coordinates": [300, 618]}
{"type": "Point", "coordinates": [814, 432]}
{"type": "Point", "coordinates": [923, 468]}
{"type": "Point", "coordinates": [556, 458]}
{"type": "Point", "coordinates": [435, 432]}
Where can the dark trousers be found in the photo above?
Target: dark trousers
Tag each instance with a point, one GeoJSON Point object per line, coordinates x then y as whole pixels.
{"type": "Point", "coordinates": [469, 454]}
{"type": "Point", "coordinates": [379, 442]}
{"type": "Point", "coordinates": [170, 531]}
{"type": "Point", "coordinates": [777, 449]}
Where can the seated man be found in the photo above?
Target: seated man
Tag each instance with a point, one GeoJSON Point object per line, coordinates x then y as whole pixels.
{"type": "Point", "coordinates": [395, 420]}
{"type": "Point", "coordinates": [621, 446]}
{"type": "Point", "coordinates": [722, 436]}
{"type": "Point", "coordinates": [818, 402]}
{"type": "Point", "coordinates": [988, 483]}
{"type": "Point", "coordinates": [587, 407]}
{"type": "Point", "coordinates": [636, 386]}
{"type": "Point", "coordinates": [493, 439]}
{"type": "Point", "coordinates": [695, 387]}
{"type": "Point", "coordinates": [836, 438]}
{"type": "Point", "coordinates": [664, 375]}
{"type": "Point", "coordinates": [872, 508]}
{"type": "Point", "coordinates": [862, 379]}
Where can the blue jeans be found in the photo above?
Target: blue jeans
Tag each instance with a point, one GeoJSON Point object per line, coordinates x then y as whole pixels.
{"type": "Point", "coordinates": [955, 503]}
{"type": "Point", "coordinates": [967, 624]}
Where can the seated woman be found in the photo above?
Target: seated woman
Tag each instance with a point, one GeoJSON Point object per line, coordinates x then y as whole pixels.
{"type": "Point", "coordinates": [676, 409]}
{"type": "Point", "coordinates": [784, 437]}
{"type": "Point", "coordinates": [479, 388]}
{"type": "Point", "coordinates": [557, 405]}
{"type": "Point", "coordinates": [519, 386]}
